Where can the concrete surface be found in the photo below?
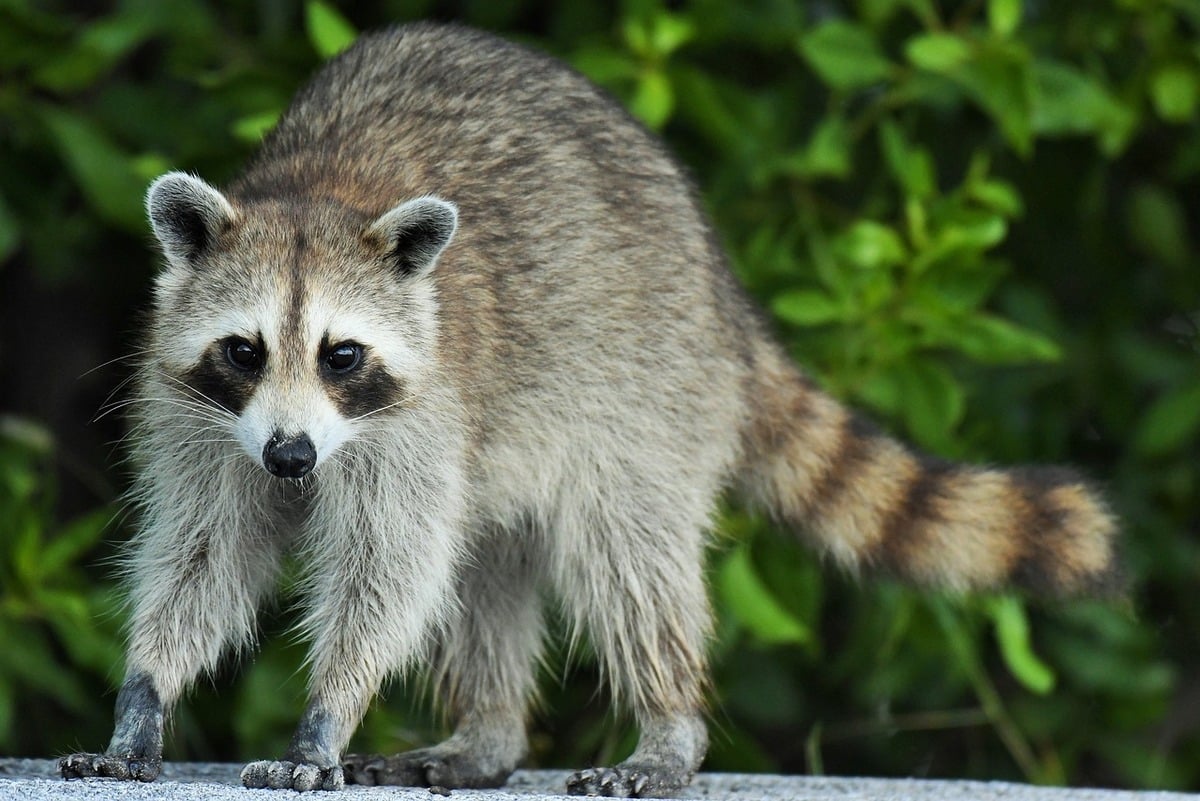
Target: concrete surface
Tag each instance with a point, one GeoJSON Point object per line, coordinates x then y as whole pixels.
{"type": "Point", "coordinates": [37, 780]}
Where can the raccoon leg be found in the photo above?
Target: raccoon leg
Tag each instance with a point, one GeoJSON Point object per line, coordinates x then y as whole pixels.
{"type": "Point", "coordinates": [383, 554]}
{"type": "Point", "coordinates": [486, 668]}
{"type": "Point", "coordinates": [197, 582]}
{"type": "Point", "coordinates": [640, 592]}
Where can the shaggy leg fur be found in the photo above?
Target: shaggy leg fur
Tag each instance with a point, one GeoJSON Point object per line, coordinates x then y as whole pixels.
{"type": "Point", "coordinates": [487, 666]}
{"type": "Point", "coordinates": [198, 575]}
{"type": "Point", "coordinates": [648, 620]}
{"type": "Point", "coordinates": [384, 547]}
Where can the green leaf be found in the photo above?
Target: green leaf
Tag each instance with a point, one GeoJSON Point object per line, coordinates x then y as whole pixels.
{"type": "Point", "coordinates": [911, 166]}
{"type": "Point", "coordinates": [953, 291]}
{"type": "Point", "coordinates": [1171, 423]}
{"type": "Point", "coordinates": [25, 547]}
{"type": "Point", "coordinates": [962, 236]}
{"type": "Point", "coordinates": [722, 113]}
{"type": "Point", "coordinates": [7, 709]}
{"type": "Point", "coordinates": [1000, 81]}
{"type": "Point", "coordinates": [653, 100]}
{"type": "Point", "coordinates": [73, 540]}
{"type": "Point", "coordinates": [148, 166]}
{"type": "Point", "coordinates": [971, 229]}
{"type": "Point", "coordinates": [253, 127]}
{"type": "Point", "coordinates": [807, 307]}
{"type": "Point", "coordinates": [653, 38]}
{"type": "Point", "coordinates": [1004, 16]}
{"type": "Point", "coordinates": [669, 32]}
{"type": "Point", "coordinates": [10, 231]}
{"type": "Point", "coordinates": [29, 657]}
{"type": "Point", "coordinates": [62, 605]}
{"type": "Point", "coordinates": [999, 196]}
{"type": "Point", "coordinates": [87, 629]}
{"type": "Point", "coordinates": [635, 30]}
{"type": "Point", "coordinates": [880, 389]}
{"type": "Point", "coordinates": [937, 52]}
{"type": "Point", "coordinates": [871, 245]}
{"type": "Point", "coordinates": [1158, 225]}
{"type": "Point", "coordinates": [932, 401]}
{"type": "Point", "coordinates": [992, 340]}
{"type": "Point", "coordinates": [753, 605]}
{"type": "Point", "coordinates": [328, 31]}
{"type": "Point", "coordinates": [1068, 101]}
{"type": "Point", "coordinates": [1012, 635]}
{"type": "Point", "coordinates": [845, 55]}
{"type": "Point", "coordinates": [828, 151]}
{"type": "Point", "coordinates": [605, 65]}
{"type": "Point", "coordinates": [103, 171]}
{"type": "Point", "coordinates": [97, 49]}
{"type": "Point", "coordinates": [1175, 90]}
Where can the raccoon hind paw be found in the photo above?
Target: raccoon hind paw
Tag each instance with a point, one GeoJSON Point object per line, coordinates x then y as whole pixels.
{"type": "Point", "coordinates": [436, 766]}
{"type": "Point", "coordinates": [627, 781]}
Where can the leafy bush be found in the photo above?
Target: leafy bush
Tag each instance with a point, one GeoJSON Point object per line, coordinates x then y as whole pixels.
{"type": "Point", "coordinates": [57, 626]}
{"type": "Point", "coordinates": [971, 219]}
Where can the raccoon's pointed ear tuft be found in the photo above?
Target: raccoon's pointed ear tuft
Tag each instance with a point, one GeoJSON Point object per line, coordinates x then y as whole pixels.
{"type": "Point", "coordinates": [415, 233]}
{"type": "Point", "coordinates": [186, 215]}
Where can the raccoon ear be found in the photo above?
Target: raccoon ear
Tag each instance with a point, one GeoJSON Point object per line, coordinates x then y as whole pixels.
{"type": "Point", "coordinates": [186, 215]}
{"type": "Point", "coordinates": [415, 233]}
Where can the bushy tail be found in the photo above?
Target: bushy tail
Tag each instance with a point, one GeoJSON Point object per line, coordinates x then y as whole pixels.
{"type": "Point", "coordinates": [871, 502]}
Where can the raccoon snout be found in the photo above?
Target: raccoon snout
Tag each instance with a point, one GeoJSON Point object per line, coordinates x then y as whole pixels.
{"type": "Point", "coordinates": [289, 457]}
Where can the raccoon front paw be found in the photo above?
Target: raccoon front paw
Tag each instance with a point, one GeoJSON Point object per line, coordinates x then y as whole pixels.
{"type": "Point", "coordinates": [126, 768]}
{"type": "Point", "coordinates": [437, 766]}
{"type": "Point", "coordinates": [302, 776]}
{"type": "Point", "coordinates": [627, 781]}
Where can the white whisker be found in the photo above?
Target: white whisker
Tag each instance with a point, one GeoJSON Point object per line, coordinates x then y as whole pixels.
{"type": "Point", "coordinates": [102, 365]}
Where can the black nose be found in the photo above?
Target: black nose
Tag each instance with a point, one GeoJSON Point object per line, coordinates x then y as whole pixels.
{"type": "Point", "coordinates": [289, 457]}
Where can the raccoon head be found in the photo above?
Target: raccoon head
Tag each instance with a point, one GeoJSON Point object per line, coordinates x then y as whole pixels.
{"type": "Point", "coordinates": [298, 321]}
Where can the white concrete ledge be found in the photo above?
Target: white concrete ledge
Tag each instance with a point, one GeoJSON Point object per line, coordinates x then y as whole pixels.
{"type": "Point", "coordinates": [37, 780]}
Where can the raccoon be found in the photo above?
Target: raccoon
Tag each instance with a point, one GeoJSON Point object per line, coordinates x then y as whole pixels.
{"type": "Point", "coordinates": [461, 339]}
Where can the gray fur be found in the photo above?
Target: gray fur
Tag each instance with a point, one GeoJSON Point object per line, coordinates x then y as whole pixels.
{"type": "Point", "coordinates": [563, 378]}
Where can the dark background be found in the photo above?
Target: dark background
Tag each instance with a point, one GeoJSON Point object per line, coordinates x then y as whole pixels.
{"type": "Point", "coordinates": [974, 220]}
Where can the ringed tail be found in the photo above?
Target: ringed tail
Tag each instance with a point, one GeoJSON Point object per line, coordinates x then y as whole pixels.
{"type": "Point", "coordinates": [874, 504]}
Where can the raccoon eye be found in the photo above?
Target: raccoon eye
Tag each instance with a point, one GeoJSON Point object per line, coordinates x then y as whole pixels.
{"type": "Point", "coordinates": [344, 357]}
{"type": "Point", "coordinates": [242, 355]}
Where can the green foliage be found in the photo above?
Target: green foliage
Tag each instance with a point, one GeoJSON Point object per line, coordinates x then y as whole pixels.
{"type": "Point", "coordinates": [55, 647]}
{"type": "Point", "coordinates": [753, 606]}
{"type": "Point", "coordinates": [974, 220]}
{"type": "Point", "coordinates": [329, 32]}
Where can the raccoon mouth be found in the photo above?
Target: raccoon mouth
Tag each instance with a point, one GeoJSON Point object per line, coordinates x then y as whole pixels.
{"type": "Point", "coordinates": [289, 457]}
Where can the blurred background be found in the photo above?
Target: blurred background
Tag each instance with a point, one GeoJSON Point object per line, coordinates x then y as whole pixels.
{"type": "Point", "coordinates": [974, 220]}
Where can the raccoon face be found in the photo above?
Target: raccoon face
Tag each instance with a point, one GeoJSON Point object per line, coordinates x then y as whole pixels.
{"type": "Point", "coordinates": [302, 324]}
